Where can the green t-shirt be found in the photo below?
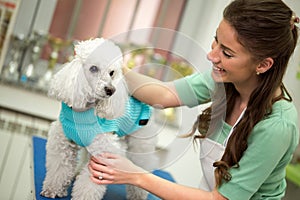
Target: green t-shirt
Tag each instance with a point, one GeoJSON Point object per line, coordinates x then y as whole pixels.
{"type": "Point", "coordinates": [261, 174]}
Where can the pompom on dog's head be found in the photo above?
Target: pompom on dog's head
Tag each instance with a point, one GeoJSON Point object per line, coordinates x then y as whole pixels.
{"type": "Point", "coordinates": [93, 79]}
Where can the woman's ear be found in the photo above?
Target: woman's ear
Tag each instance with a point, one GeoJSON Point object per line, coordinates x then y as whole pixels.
{"type": "Point", "coordinates": [264, 65]}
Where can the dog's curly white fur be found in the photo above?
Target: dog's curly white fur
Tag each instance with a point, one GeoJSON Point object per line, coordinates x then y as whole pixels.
{"type": "Point", "coordinates": [93, 79]}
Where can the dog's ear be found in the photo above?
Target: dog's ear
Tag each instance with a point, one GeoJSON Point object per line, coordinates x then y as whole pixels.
{"type": "Point", "coordinates": [114, 106]}
{"type": "Point", "coordinates": [70, 85]}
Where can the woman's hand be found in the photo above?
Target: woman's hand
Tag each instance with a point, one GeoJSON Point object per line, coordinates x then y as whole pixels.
{"type": "Point", "coordinates": [113, 169]}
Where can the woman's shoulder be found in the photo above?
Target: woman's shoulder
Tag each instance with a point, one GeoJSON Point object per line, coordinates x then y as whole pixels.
{"type": "Point", "coordinates": [280, 125]}
{"type": "Point", "coordinates": [285, 111]}
{"type": "Point", "coordinates": [284, 114]}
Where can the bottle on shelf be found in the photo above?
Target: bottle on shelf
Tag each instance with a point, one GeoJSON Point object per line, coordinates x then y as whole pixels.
{"type": "Point", "coordinates": [30, 70]}
{"type": "Point", "coordinates": [11, 68]}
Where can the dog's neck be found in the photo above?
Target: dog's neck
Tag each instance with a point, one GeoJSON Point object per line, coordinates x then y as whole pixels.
{"type": "Point", "coordinates": [79, 109]}
{"type": "Point", "coordinates": [87, 107]}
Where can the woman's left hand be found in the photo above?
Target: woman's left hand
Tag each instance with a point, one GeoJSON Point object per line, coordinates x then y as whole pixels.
{"type": "Point", "coordinates": [113, 169]}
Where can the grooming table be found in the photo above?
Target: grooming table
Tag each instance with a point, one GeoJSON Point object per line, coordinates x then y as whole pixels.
{"type": "Point", "coordinates": [114, 192]}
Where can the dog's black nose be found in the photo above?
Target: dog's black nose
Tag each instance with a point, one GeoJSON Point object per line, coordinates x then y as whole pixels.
{"type": "Point", "coordinates": [109, 90]}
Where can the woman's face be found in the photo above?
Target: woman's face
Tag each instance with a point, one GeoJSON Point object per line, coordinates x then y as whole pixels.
{"type": "Point", "coordinates": [231, 61]}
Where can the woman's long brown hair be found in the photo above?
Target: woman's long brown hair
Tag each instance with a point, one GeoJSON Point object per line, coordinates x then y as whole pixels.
{"type": "Point", "coordinates": [264, 28]}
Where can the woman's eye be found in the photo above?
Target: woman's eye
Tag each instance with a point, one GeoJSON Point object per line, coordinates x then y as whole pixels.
{"type": "Point", "coordinates": [94, 69]}
{"type": "Point", "coordinates": [111, 73]}
{"type": "Point", "coordinates": [227, 54]}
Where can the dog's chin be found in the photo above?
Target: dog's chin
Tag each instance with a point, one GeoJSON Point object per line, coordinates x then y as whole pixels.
{"type": "Point", "coordinates": [104, 110]}
{"type": "Point", "coordinates": [104, 115]}
{"type": "Point", "coordinates": [90, 105]}
{"type": "Point", "coordinates": [99, 109]}
{"type": "Point", "coordinates": [96, 101]}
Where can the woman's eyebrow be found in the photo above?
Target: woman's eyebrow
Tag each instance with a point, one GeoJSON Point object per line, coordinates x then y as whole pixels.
{"type": "Point", "coordinates": [227, 48]}
{"type": "Point", "coordinates": [222, 45]}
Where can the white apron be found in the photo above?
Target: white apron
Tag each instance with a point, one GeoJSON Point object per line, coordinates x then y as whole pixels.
{"type": "Point", "coordinates": [210, 152]}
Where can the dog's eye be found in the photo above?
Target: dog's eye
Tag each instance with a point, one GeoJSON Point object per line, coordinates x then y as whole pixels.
{"type": "Point", "coordinates": [111, 73]}
{"type": "Point", "coordinates": [93, 69]}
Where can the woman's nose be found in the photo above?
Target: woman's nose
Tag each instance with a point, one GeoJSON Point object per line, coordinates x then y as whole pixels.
{"type": "Point", "coordinates": [213, 55]}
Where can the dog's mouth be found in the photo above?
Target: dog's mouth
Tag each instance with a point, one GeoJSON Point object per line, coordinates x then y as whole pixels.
{"type": "Point", "coordinates": [91, 104]}
{"type": "Point", "coordinates": [99, 101]}
{"type": "Point", "coordinates": [105, 94]}
{"type": "Point", "coordinates": [99, 98]}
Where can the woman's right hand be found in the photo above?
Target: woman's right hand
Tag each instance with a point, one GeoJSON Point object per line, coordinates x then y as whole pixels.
{"type": "Point", "coordinates": [113, 169]}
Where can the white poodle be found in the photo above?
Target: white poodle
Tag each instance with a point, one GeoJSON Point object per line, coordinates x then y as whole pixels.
{"type": "Point", "coordinates": [97, 113]}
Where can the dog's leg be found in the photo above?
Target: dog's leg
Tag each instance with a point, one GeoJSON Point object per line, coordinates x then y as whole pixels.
{"type": "Point", "coordinates": [82, 157]}
{"type": "Point", "coordinates": [61, 157]}
{"type": "Point", "coordinates": [141, 151]}
{"type": "Point", "coordinates": [84, 188]}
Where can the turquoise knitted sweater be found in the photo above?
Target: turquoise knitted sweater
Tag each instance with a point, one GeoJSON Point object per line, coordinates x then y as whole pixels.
{"type": "Point", "coordinates": [82, 127]}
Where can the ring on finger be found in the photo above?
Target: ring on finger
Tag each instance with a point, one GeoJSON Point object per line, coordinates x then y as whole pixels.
{"type": "Point", "coordinates": [100, 177]}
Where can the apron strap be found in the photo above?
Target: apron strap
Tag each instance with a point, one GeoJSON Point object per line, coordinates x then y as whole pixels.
{"type": "Point", "coordinates": [233, 127]}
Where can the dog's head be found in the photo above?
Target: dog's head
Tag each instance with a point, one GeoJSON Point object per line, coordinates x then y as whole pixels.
{"type": "Point", "coordinates": [93, 79]}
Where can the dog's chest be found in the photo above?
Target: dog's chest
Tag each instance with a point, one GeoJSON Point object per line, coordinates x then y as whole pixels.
{"type": "Point", "coordinates": [82, 127]}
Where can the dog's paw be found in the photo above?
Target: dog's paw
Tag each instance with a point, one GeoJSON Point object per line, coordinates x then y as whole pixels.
{"type": "Point", "coordinates": [52, 194]}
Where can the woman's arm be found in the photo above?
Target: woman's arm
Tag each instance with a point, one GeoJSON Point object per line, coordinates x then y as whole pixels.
{"type": "Point", "coordinates": [151, 91]}
{"type": "Point", "coordinates": [119, 170]}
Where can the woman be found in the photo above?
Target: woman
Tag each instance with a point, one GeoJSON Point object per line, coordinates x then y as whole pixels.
{"type": "Point", "coordinates": [258, 135]}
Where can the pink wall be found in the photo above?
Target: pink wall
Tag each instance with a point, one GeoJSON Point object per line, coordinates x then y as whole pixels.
{"type": "Point", "coordinates": [120, 18]}
{"type": "Point", "coordinates": [89, 20]}
{"type": "Point", "coordinates": [146, 14]}
{"type": "Point", "coordinates": [171, 21]}
{"type": "Point", "coordinates": [61, 18]}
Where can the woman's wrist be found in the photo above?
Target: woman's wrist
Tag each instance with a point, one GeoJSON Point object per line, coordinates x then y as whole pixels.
{"type": "Point", "coordinates": [139, 178]}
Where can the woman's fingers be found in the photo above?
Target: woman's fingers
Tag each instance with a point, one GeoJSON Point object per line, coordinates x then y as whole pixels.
{"type": "Point", "coordinates": [105, 158]}
{"type": "Point", "coordinates": [102, 181]}
{"type": "Point", "coordinates": [99, 160]}
{"type": "Point", "coordinates": [96, 165]}
{"type": "Point", "coordinates": [101, 173]}
{"type": "Point", "coordinates": [109, 155]}
{"type": "Point", "coordinates": [93, 166]}
{"type": "Point", "coordinates": [109, 168]}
